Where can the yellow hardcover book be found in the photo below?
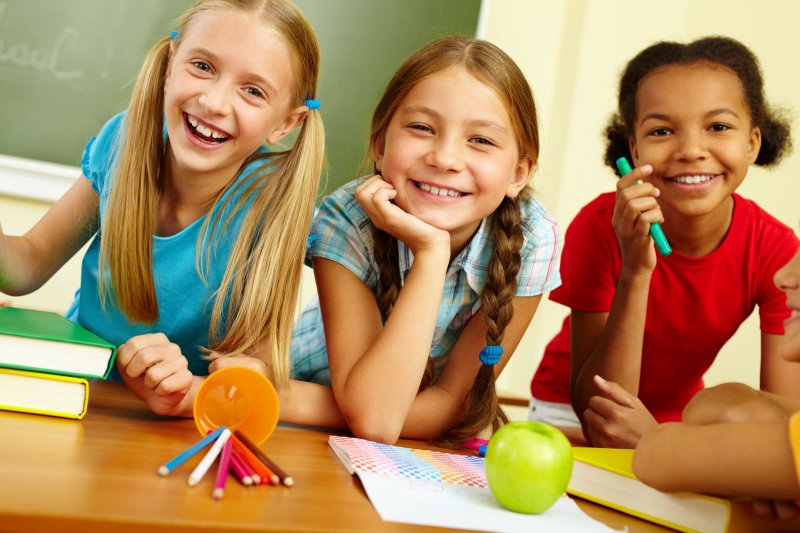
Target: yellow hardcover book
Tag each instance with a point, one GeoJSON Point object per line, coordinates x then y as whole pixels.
{"type": "Point", "coordinates": [605, 476]}
{"type": "Point", "coordinates": [43, 394]}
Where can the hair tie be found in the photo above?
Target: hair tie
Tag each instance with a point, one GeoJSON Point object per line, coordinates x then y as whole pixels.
{"type": "Point", "coordinates": [312, 103]}
{"type": "Point", "coordinates": [491, 353]}
{"type": "Point", "coordinates": [173, 35]}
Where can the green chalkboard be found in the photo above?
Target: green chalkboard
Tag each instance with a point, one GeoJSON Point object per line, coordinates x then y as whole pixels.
{"type": "Point", "coordinates": [66, 66]}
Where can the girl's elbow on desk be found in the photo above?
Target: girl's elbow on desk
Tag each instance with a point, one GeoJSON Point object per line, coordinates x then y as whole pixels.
{"type": "Point", "coordinates": [653, 459]}
{"type": "Point", "coordinates": [374, 428]}
{"type": "Point", "coordinates": [370, 422]}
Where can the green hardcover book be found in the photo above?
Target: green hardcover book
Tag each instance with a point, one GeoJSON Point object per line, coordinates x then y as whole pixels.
{"type": "Point", "coordinates": [41, 341]}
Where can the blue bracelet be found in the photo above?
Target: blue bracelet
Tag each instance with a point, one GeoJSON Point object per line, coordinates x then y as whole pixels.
{"type": "Point", "coordinates": [491, 354]}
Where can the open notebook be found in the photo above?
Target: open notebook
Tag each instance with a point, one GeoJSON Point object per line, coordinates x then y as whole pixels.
{"type": "Point", "coordinates": [434, 488]}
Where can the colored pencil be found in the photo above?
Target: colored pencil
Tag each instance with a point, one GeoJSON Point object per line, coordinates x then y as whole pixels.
{"type": "Point", "coordinates": [254, 477]}
{"type": "Point", "coordinates": [205, 463]}
{"type": "Point", "coordinates": [182, 457]}
{"type": "Point", "coordinates": [267, 476]}
{"type": "Point", "coordinates": [284, 478]}
{"type": "Point", "coordinates": [238, 469]}
{"type": "Point", "coordinates": [222, 471]}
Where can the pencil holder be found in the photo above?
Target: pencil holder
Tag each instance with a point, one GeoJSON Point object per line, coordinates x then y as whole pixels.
{"type": "Point", "coordinates": [237, 398]}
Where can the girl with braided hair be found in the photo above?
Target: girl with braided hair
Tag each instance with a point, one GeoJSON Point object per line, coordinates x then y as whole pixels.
{"type": "Point", "coordinates": [429, 271]}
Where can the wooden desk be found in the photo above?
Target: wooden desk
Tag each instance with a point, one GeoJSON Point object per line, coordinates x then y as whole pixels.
{"type": "Point", "coordinates": [99, 475]}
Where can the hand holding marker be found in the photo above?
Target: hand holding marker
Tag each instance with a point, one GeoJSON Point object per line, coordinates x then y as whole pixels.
{"type": "Point", "coordinates": [655, 228]}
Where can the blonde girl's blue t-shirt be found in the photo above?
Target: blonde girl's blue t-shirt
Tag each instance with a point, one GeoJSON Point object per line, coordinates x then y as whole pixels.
{"type": "Point", "coordinates": [185, 301]}
{"type": "Point", "coordinates": [342, 232]}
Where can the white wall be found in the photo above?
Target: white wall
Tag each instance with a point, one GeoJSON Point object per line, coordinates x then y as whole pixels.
{"type": "Point", "coordinates": [572, 52]}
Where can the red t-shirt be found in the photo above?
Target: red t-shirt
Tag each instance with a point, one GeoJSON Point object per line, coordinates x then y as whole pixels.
{"type": "Point", "coordinates": [695, 303]}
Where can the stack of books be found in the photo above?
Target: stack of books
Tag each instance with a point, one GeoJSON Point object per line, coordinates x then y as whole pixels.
{"type": "Point", "coordinates": [46, 362]}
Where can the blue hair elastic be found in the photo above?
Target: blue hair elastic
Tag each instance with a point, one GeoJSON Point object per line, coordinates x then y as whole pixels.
{"type": "Point", "coordinates": [312, 104]}
{"type": "Point", "coordinates": [173, 35]}
{"type": "Point", "coordinates": [491, 354]}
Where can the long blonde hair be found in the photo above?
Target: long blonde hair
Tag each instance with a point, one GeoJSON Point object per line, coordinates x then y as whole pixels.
{"type": "Point", "coordinates": [256, 300]}
{"type": "Point", "coordinates": [492, 67]}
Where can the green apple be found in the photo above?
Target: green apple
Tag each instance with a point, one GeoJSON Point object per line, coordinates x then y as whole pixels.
{"type": "Point", "coordinates": [528, 466]}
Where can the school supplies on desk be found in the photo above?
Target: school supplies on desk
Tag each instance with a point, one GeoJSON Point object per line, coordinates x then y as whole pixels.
{"type": "Point", "coordinates": [41, 341]}
{"type": "Point", "coordinates": [230, 401]}
{"type": "Point", "coordinates": [605, 476]}
{"type": "Point", "coordinates": [43, 394]}
{"type": "Point", "coordinates": [435, 488]}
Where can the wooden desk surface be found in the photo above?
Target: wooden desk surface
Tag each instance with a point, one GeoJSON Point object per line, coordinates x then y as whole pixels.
{"type": "Point", "coordinates": [99, 475]}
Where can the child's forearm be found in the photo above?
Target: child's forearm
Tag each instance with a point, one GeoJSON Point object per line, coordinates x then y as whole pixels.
{"type": "Point", "coordinates": [750, 459]}
{"type": "Point", "coordinates": [17, 266]}
{"type": "Point", "coordinates": [382, 385]}
{"type": "Point", "coordinates": [737, 402]}
{"type": "Point", "coordinates": [617, 355]}
{"type": "Point", "coordinates": [310, 404]}
{"type": "Point", "coordinates": [27, 262]}
{"type": "Point", "coordinates": [433, 412]}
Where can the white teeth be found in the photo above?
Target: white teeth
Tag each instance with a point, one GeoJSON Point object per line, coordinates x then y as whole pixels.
{"type": "Point", "coordinates": [693, 179]}
{"type": "Point", "coordinates": [204, 130]}
{"type": "Point", "coordinates": [436, 190]}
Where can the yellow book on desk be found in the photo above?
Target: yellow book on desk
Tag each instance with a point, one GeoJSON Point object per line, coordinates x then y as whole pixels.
{"type": "Point", "coordinates": [605, 476]}
{"type": "Point", "coordinates": [43, 394]}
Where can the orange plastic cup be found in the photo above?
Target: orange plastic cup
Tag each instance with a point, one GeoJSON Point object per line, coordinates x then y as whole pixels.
{"type": "Point", "coordinates": [237, 398]}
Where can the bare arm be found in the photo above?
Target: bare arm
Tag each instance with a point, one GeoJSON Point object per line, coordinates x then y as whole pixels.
{"type": "Point", "coordinates": [28, 261]}
{"type": "Point", "coordinates": [778, 375]}
{"type": "Point", "coordinates": [736, 402]}
{"type": "Point", "coordinates": [310, 404]}
{"type": "Point", "coordinates": [610, 344]}
{"type": "Point", "coordinates": [435, 409]}
{"type": "Point", "coordinates": [375, 370]}
{"type": "Point", "coordinates": [751, 459]}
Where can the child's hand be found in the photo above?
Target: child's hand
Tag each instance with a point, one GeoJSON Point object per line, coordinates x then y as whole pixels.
{"type": "Point", "coordinates": [634, 210]}
{"type": "Point", "coordinates": [617, 419]}
{"type": "Point", "coordinates": [375, 196]}
{"type": "Point", "coordinates": [248, 361]}
{"type": "Point", "coordinates": [782, 509]}
{"type": "Point", "coordinates": [156, 371]}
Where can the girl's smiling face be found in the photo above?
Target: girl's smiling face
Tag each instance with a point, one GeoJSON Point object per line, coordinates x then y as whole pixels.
{"type": "Point", "coordinates": [787, 279]}
{"type": "Point", "coordinates": [450, 152]}
{"type": "Point", "coordinates": [229, 89]}
{"type": "Point", "coordinates": [693, 126]}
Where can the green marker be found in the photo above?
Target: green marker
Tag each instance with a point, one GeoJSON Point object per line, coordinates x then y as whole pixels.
{"type": "Point", "coordinates": [656, 232]}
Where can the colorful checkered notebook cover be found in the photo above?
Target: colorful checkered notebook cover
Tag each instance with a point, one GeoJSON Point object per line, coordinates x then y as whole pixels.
{"type": "Point", "coordinates": [359, 455]}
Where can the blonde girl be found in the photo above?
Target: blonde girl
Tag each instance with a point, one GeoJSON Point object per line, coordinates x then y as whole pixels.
{"type": "Point", "coordinates": [429, 271]}
{"type": "Point", "coordinates": [197, 229]}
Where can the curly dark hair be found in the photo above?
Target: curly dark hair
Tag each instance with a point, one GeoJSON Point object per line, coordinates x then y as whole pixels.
{"type": "Point", "coordinates": [775, 130]}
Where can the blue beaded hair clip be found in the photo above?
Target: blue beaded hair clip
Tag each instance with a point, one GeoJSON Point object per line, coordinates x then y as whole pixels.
{"type": "Point", "coordinates": [173, 35]}
{"type": "Point", "coordinates": [491, 354]}
{"type": "Point", "coordinates": [312, 103]}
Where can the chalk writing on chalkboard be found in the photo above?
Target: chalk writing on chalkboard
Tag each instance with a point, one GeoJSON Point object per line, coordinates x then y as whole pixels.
{"type": "Point", "coordinates": [36, 58]}
{"type": "Point", "coordinates": [67, 66]}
